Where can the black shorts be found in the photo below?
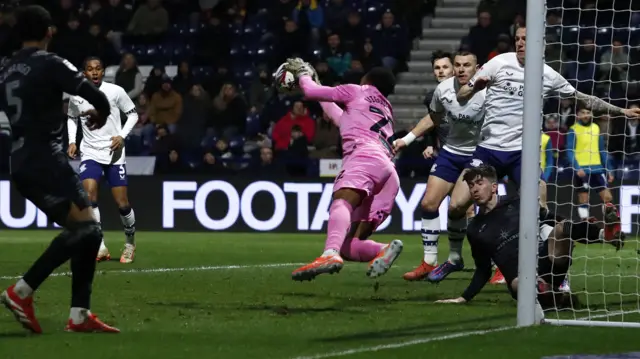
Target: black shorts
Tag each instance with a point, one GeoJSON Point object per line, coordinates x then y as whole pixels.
{"type": "Point", "coordinates": [544, 263]}
{"type": "Point", "coordinates": [52, 185]}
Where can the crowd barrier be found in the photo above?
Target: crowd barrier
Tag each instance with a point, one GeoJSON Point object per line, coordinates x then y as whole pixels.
{"type": "Point", "coordinates": [288, 205]}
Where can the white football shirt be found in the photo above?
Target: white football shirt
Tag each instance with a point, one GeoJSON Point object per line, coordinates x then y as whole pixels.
{"type": "Point", "coordinates": [96, 144]}
{"type": "Point", "coordinates": [504, 106]}
{"type": "Point", "coordinates": [462, 120]}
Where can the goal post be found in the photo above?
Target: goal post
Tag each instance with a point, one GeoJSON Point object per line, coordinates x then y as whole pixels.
{"type": "Point", "coordinates": [605, 281]}
{"type": "Point", "coordinates": [529, 190]}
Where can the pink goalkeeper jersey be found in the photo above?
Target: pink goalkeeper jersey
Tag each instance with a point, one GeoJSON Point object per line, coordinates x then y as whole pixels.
{"type": "Point", "coordinates": [367, 120]}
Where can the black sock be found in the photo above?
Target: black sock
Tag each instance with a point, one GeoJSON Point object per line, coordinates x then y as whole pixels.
{"type": "Point", "coordinates": [582, 232]}
{"type": "Point", "coordinates": [83, 264]}
{"type": "Point", "coordinates": [559, 271]}
{"type": "Point", "coordinates": [58, 252]}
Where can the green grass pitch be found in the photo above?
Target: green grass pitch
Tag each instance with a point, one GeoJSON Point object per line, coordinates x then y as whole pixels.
{"type": "Point", "coordinates": [221, 295]}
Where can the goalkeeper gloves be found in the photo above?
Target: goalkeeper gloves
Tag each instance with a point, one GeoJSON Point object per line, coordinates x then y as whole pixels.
{"type": "Point", "coordinates": [299, 67]}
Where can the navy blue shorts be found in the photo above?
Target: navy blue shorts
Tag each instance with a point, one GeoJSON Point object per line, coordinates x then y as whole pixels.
{"type": "Point", "coordinates": [116, 175]}
{"type": "Point", "coordinates": [594, 181]}
{"type": "Point", "coordinates": [506, 163]}
{"type": "Point", "coordinates": [449, 166]}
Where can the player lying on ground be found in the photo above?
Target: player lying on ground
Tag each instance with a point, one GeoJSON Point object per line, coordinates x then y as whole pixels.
{"type": "Point", "coordinates": [501, 145]}
{"type": "Point", "coordinates": [493, 235]}
{"type": "Point", "coordinates": [587, 153]}
{"type": "Point", "coordinates": [366, 187]}
{"type": "Point", "coordinates": [31, 86]}
{"type": "Point", "coordinates": [102, 153]}
{"type": "Point", "coordinates": [464, 121]}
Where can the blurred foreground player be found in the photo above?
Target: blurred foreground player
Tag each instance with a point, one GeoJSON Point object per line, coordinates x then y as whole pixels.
{"type": "Point", "coordinates": [103, 154]}
{"type": "Point", "coordinates": [366, 187]}
{"type": "Point", "coordinates": [31, 87]}
{"type": "Point", "coordinates": [494, 235]}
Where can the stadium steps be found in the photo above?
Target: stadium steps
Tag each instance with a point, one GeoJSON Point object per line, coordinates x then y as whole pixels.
{"type": "Point", "coordinates": [443, 31]}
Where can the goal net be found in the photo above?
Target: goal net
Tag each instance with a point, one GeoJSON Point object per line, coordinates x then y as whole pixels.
{"type": "Point", "coordinates": [594, 45]}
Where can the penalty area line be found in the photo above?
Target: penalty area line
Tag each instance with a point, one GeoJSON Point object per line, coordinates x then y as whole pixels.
{"type": "Point", "coordinates": [172, 270]}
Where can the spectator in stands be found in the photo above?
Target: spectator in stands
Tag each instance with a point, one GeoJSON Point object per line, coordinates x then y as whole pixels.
{"type": "Point", "coordinates": [238, 9]}
{"type": "Point", "coordinates": [261, 90]}
{"type": "Point", "coordinates": [369, 58]}
{"type": "Point", "coordinates": [279, 13]}
{"type": "Point", "coordinates": [483, 37]}
{"type": "Point", "coordinates": [335, 55]}
{"type": "Point", "coordinates": [266, 166]}
{"type": "Point", "coordinates": [297, 153]}
{"type": "Point", "coordinates": [212, 165]}
{"type": "Point", "coordinates": [116, 19]}
{"type": "Point", "coordinates": [326, 75]}
{"type": "Point", "coordinates": [309, 17]}
{"type": "Point", "coordinates": [551, 128]}
{"type": "Point", "coordinates": [62, 12]}
{"type": "Point", "coordinates": [298, 116]}
{"type": "Point", "coordinates": [335, 15]}
{"type": "Point", "coordinates": [567, 114]}
{"type": "Point", "coordinates": [129, 77]}
{"type": "Point", "coordinates": [212, 43]}
{"type": "Point", "coordinates": [391, 41]}
{"type": "Point", "coordinates": [504, 45]}
{"type": "Point", "coordinates": [93, 13]}
{"type": "Point", "coordinates": [71, 42]}
{"type": "Point", "coordinates": [291, 43]}
{"type": "Point", "coordinates": [154, 80]}
{"type": "Point", "coordinates": [101, 47]}
{"type": "Point", "coordinates": [171, 163]}
{"type": "Point", "coordinates": [326, 139]}
{"type": "Point", "coordinates": [352, 35]}
{"type": "Point", "coordinates": [184, 79]}
{"type": "Point", "coordinates": [614, 63]}
{"type": "Point", "coordinates": [149, 23]}
{"type": "Point", "coordinates": [229, 112]}
{"type": "Point", "coordinates": [163, 143]}
{"type": "Point", "coordinates": [166, 106]}
{"type": "Point", "coordinates": [518, 22]}
{"type": "Point", "coordinates": [583, 72]}
{"type": "Point", "coordinates": [632, 137]}
{"type": "Point", "coordinates": [553, 53]}
{"type": "Point", "coordinates": [213, 84]}
{"type": "Point", "coordinates": [197, 112]}
{"type": "Point", "coordinates": [553, 25]}
{"type": "Point", "coordinates": [355, 73]}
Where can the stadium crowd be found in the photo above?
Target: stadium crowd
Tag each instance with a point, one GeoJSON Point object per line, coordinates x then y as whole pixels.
{"type": "Point", "coordinates": [220, 113]}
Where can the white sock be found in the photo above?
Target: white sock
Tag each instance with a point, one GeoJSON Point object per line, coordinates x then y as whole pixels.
{"type": "Point", "coordinates": [583, 211]}
{"type": "Point", "coordinates": [78, 315]}
{"type": "Point", "coordinates": [430, 233]}
{"type": "Point", "coordinates": [96, 213]}
{"type": "Point", "coordinates": [457, 231]}
{"type": "Point", "coordinates": [129, 222]}
{"type": "Point", "coordinates": [330, 252]}
{"type": "Point", "coordinates": [601, 235]}
{"type": "Point", "coordinates": [102, 246]}
{"type": "Point", "coordinates": [22, 289]}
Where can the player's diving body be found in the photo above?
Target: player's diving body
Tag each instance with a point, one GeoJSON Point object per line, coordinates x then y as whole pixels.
{"type": "Point", "coordinates": [464, 122]}
{"type": "Point", "coordinates": [365, 189]}
{"type": "Point", "coordinates": [501, 143]}
{"type": "Point", "coordinates": [587, 153]}
{"type": "Point", "coordinates": [32, 83]}
{"type": "Point", "coordinates": [494, 236]}
{"type": "Point", "coordinates": [102, 152]}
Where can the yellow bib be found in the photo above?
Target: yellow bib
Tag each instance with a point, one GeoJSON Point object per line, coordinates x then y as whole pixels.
{"type": "Point", "coordinates": [543, 150]}
{"type": "Point", "coordinates": [587, 151]}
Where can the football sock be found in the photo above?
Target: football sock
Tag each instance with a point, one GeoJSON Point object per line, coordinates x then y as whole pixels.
{"type": "Point", "coordinates": [430, 233]}
{"type": "Point", "coordinates": [359, 250]}
{"type": "Point", "coordinates": [339, 223]}
{"type": "Point", "coordinates": [58, 252]}
{"type": "Point", "coordinates": [78, 315]}
{"type": "Point", "coordinates": [457, 229]}
{"type": "Point", "coordinates": [22, 289]}
{"type": "Point", "coordinates": [128, 219]}
{"type": "Point", "coordinates": [83, 264]}
{"type": "Point", "coordinates": [583, 211]}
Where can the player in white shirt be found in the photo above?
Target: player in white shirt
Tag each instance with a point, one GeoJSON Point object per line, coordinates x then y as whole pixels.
{"type": "Point", "coordinates": [501, 143]}
{"type": "Point", "coordinates": [102, 152]}
{"type": "Point", "coordinates": [464, 121]}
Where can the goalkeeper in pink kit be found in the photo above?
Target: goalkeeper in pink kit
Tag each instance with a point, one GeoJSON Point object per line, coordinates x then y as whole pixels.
{"type": "Point", "coordinates": [366, 187]}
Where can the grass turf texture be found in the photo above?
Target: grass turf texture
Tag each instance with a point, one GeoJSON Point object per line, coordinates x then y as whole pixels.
{"type": "Point", "coordinates": [259, 312]}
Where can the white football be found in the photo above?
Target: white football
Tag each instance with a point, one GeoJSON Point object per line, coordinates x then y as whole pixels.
{"type": "Point", "coordinates": [285, 81]}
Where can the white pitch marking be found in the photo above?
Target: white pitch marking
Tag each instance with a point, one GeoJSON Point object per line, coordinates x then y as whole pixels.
{"type": "Point", "coordinates": [171, 270]}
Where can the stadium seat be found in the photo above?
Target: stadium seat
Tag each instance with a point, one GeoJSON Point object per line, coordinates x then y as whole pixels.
{"type": "Point", "coordinates": [254, 125]}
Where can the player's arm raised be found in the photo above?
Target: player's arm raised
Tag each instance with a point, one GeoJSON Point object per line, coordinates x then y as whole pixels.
{"type": "Point", "coordinates": [73, 82]}
{"type": "Point", "coordinates": [333, 111]}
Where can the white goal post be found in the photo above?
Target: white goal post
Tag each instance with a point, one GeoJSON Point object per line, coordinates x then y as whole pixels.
{"type": "Point", "coordinates": [606, 281]}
